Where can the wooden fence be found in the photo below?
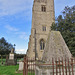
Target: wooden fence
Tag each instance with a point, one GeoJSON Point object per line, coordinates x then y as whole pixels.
{"type": "Point", "coordinates": [59, 67]}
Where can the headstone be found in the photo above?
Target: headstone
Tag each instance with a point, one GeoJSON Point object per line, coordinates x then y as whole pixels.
{"type": "Point", "coordinates": [11, 60]}
{"type": "Point", "coordinates": [11, 56]}
{"type": "Point", "coordinates": [55, 47]}
{"type": "Point", "coordinates": [21, 64]}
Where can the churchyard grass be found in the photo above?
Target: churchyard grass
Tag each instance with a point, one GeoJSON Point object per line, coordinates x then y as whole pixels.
{"type": "Point", "coordinates": [9, 70]}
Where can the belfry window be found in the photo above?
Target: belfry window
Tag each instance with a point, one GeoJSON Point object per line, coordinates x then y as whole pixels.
{"type": "Point", "coordinates": [44, 28]}
{"type": "Point", "coordinates": [43, 8]}
{"type": "Point", "coordinates": [42, 44]}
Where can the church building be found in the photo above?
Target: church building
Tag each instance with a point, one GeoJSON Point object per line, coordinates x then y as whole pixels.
{"type": "Point", "coordinates": [42, 19]}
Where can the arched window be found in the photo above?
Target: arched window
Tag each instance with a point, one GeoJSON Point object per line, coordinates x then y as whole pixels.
{"type": "Point", "coordinates": [42, 44]}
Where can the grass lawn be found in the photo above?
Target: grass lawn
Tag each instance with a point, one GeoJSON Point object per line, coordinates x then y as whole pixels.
{"type": "Point", "coordinates": [9, 70]}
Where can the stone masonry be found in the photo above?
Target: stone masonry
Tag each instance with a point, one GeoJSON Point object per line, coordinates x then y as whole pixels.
{"type": "Point", "coordinates": [56, 47]}
{"type": "Point", "coordinates": [42, 19]}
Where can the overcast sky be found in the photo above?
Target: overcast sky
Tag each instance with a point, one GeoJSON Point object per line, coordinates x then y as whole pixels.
{"type": "Point", "coordinates": [16, 17]}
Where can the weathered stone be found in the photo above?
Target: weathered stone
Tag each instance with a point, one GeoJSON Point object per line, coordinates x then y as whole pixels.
{"type": "Point", "coordinates": [11, 56]}
{"type": "Point", "coordinates": [48, 70]}
{"type": "Point", "coordinates": [41, 25]}
{"type": "Point", "coordinates": [12, 50]}
{"type": "Point", "coordinates": [21, 65]}
{"type": "Point", "coordinates": [11, 60]}
{"type": "Point", "coordinates": [55, 47]}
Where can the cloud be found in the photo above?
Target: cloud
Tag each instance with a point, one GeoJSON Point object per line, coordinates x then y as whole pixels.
{"type": "Point", "coordinates": [11, 7]}
{"type": "Point", "coordinates": [22, 35]}
{"type": "Point", "coordinates": [21, 51]}
{"type": "Point", "coordinates": [10, 28]}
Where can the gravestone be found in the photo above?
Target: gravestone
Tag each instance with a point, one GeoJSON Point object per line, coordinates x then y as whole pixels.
{"type": "Point", "coordinates": [11, 55]}
{"type": "Point", "coordinates": [21, 64]}
{"type": "Point", "coordinates": [11, 60]}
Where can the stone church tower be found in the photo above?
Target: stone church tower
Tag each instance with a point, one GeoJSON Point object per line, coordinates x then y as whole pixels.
{"type": "Point", "coordinates": [42, 19]}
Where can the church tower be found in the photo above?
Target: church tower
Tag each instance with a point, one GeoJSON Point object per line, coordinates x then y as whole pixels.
{"type": "Point", "coordinates": [42, 19]}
